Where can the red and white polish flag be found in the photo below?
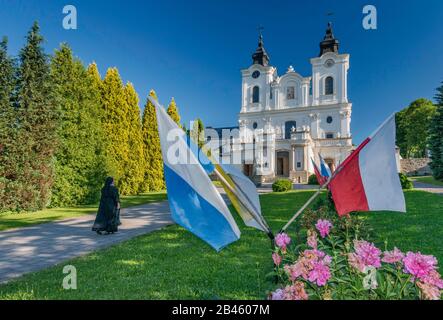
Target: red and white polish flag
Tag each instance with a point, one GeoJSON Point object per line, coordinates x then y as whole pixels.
{"type": "Point", "coordinates": [368, 179]}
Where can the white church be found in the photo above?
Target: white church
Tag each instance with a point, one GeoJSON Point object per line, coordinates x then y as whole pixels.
{"type": "Point", "coordinates": [285, 120]}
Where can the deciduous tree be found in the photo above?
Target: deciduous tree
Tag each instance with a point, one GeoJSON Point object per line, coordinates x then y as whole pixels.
{"type": "Point", "coordinates": [412, 128]}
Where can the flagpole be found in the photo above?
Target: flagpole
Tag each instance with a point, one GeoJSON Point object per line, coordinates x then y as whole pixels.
{"type": "Point", "coordinates": [315, 195]}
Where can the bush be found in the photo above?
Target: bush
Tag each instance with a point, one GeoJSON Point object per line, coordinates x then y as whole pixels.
{"type": "Point", "coordinates": [282, 185]}
{"type": "Point", "coordinates": [405, 182]}
{"type": "Point", "coordinates": [312, 179]}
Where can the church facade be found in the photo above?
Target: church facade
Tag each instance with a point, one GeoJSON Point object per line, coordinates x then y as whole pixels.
{"type": "Point", "coordinates": [285, 120]}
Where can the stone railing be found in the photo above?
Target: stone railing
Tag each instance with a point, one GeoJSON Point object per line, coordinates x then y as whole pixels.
{"type": "Point", "coordinates": [335, 142]}
{"type": "Point", "coordinates": [415, 166]}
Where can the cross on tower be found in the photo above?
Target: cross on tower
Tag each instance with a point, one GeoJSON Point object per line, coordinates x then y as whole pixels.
{"type": "Point", "coordinates": [260, 31]}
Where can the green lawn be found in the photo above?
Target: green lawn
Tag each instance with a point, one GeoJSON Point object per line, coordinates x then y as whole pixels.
{"type": "Point", "coordinates": [428, 179]}
{"type": "Point", "coordinates": [25, 219]}
{"type": "Point", "coordinates": [174, 264]}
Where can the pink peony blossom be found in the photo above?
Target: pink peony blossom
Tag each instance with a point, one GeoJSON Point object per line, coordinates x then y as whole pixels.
{"type": "Point", "coordinates": [434, 279]}
{"type": "Point", "coordinates": [298, 269]}
{"type": "Point", "coordinates": [282, 240]}
{"type": "Point", "coordinates": [356, 262]}
{"type": "Point", "coordinates": [419, 265]}
{"type": "Point", "coordinates": [312, 239]}
{"type": "Point", "coordinates": [366, 255]}
{"type": "Point", "coordinates": [393, 256]}
{"type": "Point", "coordinates": [278, 294]}
{"type": "Point", "coordinates": [428, 291]}
{"type": "Point", "coordinates": [320, 274]}
{"type": "Point", "coordinates": [277, 258]}
{"type": "Point", "coordinates": [296, 292]}
{"type": "Point", "coordinates": [312, 265]}
{"type": "Point", "coordinates": [323, 226]}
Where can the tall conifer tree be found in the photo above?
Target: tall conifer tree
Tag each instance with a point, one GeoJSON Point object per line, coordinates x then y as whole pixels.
{"type": "Point", "coordinates": [135, 167]}
{"type": "Point", "coordinates": [173, 112]}
{"type": "Point", "coordinates": [37, 121]}
{"type": "Point", "coordinates": [79, 159]}
{"type": "Point", "coordinates": [8, 154]}
{"type": "Point", "coordinates": [115, 124]}
{"type": "Point", "coordinates": [154, 178]}
{"type": "Point", "coordinates": [436, 137]}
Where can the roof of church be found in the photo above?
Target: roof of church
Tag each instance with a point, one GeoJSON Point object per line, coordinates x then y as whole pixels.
{"type": "Point", "coordinates": [260, 55]}
{"type": "Point", "coordinates": [329, 43]}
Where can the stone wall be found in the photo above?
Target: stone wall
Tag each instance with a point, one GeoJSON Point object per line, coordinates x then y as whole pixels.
{"type": "Point", "coordinates": [415, 166]}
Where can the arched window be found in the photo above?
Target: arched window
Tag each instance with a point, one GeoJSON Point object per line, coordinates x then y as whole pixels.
{"type": "Point", "coordinates": [290, 93]}
{"type": "Point", "coordinates": [329, 86]}
{"type": "Point", "coordinates": [256, 94]}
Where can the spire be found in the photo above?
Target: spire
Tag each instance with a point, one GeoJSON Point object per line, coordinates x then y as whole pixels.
{"type": "Point", "coordinates": [329, 43]}
{"type": "Point", "coordinates": [260, 55]}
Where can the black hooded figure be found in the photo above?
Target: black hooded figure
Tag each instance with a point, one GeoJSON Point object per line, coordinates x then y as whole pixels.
{"type": "Point", "coordinates": [108, 211]}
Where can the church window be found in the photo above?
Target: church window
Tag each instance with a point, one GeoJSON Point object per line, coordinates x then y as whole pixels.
{"type": "Point", "coordinates": [329, 136]}
{"type": "Point", "coordinates": [256, 94]}
{"type": "Point", "coordinates": [298, 164]}
{"type": "Point", "coordinates": [290, 93]}
{"type": "Point", "coordinates": [254, 125]}
{"type": "Point", "coordinates": [329, 119]}
{"type": "Point", "coordinates": [288, 128]}
{"type": "Point", "coordinates": [329, 86]}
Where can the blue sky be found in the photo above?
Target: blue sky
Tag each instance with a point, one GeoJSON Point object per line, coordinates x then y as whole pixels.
{"type": "Point", "coordinates": [194, 50]}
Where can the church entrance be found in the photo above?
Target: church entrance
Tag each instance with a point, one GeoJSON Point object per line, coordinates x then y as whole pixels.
{"type": "Point", "coordinates": [331, 164]}
{"type": "Point", "coordinates": [282, 163]}
{"type": "Point", "coordinates": [247, 170]}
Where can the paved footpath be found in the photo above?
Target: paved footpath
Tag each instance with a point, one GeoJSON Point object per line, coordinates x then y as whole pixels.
{"type": "Point", "coordinates": [428, 187]}
{"type": "Point", "coordinates": [38, 247]}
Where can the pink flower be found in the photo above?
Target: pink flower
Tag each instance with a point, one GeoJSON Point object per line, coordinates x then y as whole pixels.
{"type": "Point", "coordinates": [282, 240]}
{"type": "Point", "coordinates": [312, 239]}
{"type": "Point", "coordinates": [298, 269]}
{"type": "Point", "coordinates": [433, 278]}
{"type": "Point", "coordinates": [277, 258]}
{"type": "Point", "coordinates": [312, 265]}
{"type": "Point", "coordinates": [355, 262]}
{"type": "Point", "coordinates": [419, 265]}
{"type": "Point", "coordinates": [393, 256]}
{"type": "Point", "coordinates": [366, 255]}
{"type": "Point", "coordinates": [278, 294]}
{"type": "Point", "coordinates": [320, 274]}
{"type": "Point", "coordinates": [323, 226]}
{"type": "Point", "coordinates": [296, 292]}
{"type": "Point", "coordinates": [429, 292]}
{"type": "Point", "coordinates": [368, 252]}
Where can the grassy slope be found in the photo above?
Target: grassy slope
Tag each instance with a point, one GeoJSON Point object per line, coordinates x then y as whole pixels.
{"type": "Point", "coordinates": [420, 229]}
{"type": "Point", "coordinates": [17, 220]}
{"type": "Point", "coordinates": [173, 264]}
{"type": "Point", "coordinates": [428, 179]}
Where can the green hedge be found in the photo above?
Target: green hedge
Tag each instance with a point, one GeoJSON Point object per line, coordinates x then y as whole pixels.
{"type": "Point", "coordinates": [405, 182]}
{"type": "Point", "coordinates": [312, 179]}
{"type": "Point", "coordinates": [281, 185]}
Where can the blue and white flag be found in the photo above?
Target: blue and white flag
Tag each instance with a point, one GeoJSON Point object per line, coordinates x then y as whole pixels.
{"type": "Point", "coordinates": [324, 168]}
{"type": "Point", "coordinates": [194, 201]}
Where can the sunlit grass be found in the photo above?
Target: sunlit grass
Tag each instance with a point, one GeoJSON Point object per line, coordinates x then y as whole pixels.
{"type": "Point", "coordinates": [173, 264]}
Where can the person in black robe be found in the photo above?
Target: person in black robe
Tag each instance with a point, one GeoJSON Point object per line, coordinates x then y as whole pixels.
{"type": "Point", "coordinates": [108, 211]}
